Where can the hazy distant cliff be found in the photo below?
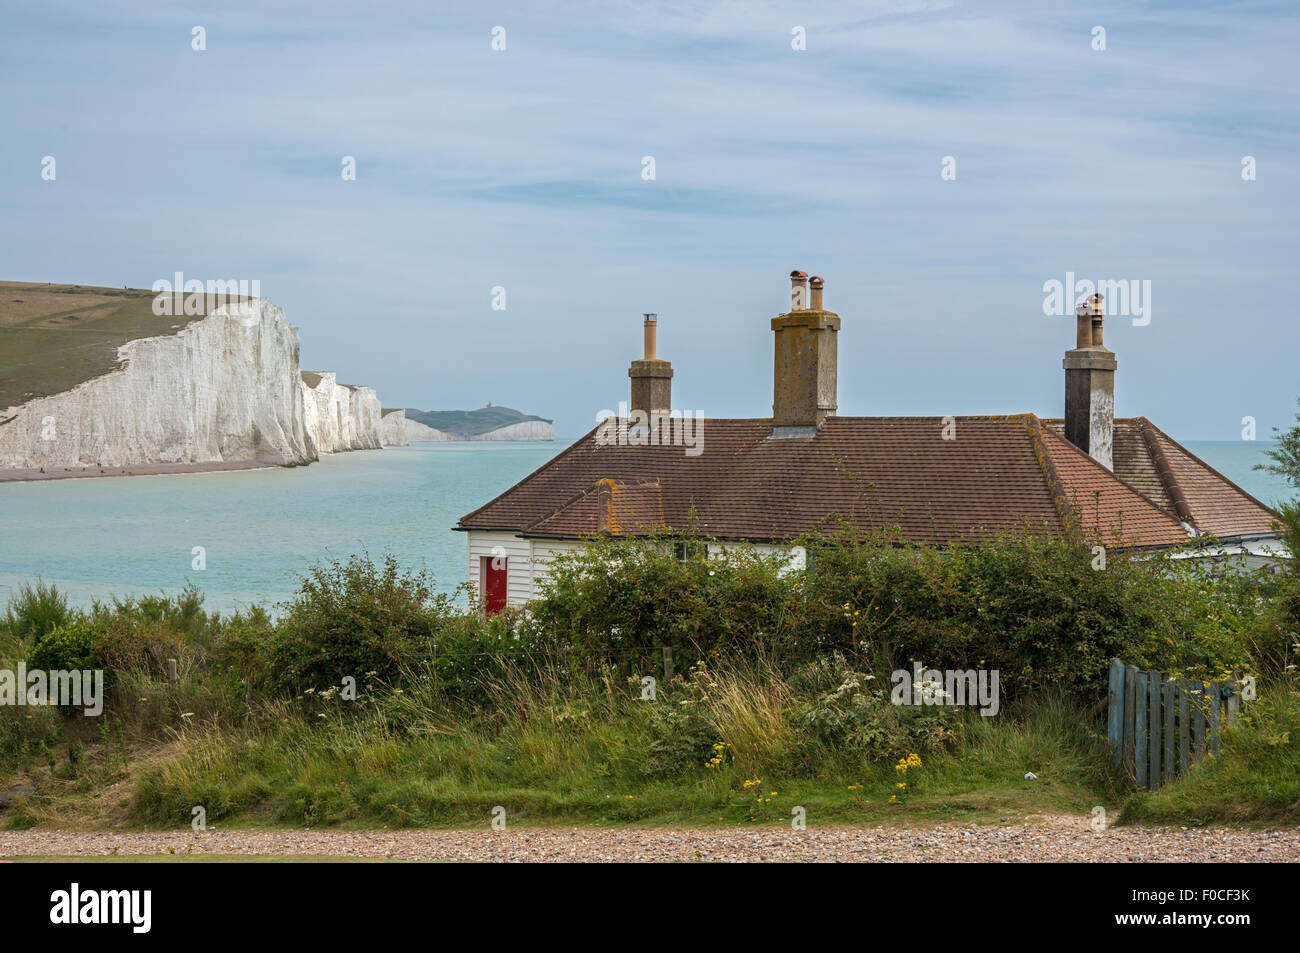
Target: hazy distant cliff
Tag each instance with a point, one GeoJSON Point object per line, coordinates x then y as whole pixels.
{"type": "Point", "coordinates": [222, 388]}
{"type": "Point", "coordinates": [486, 423]}
{"type": "Point", "coordinates": [525, 430]}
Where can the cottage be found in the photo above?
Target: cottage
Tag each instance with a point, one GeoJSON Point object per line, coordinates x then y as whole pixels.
{"type": "Point", "coordinates": [768, 480]}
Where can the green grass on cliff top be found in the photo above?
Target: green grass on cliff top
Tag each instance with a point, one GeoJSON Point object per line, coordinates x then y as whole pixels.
{"type": "Point", "coordinates": [54, 337]}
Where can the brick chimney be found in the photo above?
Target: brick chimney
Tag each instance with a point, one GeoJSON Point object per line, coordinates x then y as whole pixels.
{"type": "Point", "coordinates": [1090, 386]}
{"type": "Point", "coordinates": [805, 363]}
{"type": "Point", "coordinates": [652, 379]}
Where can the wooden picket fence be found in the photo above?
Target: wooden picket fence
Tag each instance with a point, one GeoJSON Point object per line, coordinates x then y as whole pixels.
{"type": "Point", "coordinates": [1157, 726]}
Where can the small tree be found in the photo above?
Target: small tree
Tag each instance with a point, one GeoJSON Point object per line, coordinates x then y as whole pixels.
{"type": "Point", "coordinates": [1285, 614]}
{"type": "Point", "coordinates": [1286, 464]}
{"type": "Point", "coordinates": [1286, 455]}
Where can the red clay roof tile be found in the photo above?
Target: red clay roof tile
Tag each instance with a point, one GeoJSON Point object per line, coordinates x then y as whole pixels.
{"type": "Point", "coordinates": [997, 474]}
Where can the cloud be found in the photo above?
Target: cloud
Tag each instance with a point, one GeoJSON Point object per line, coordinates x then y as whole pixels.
{"type": "Point", "coordinates": [522, 168]}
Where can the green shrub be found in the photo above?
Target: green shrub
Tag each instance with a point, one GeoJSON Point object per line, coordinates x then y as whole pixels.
{"type": "Point", "coordinates": [66, 648]}
{"type": "Point", "coordinates": [619, 600]}
{"type": "Point", "coordinates": [241, 650]}
{"type": "Point", "coordinates": [354, 619]}
{"type": "Point", "coordinates": [473, 653]}
{"type": "Point", "coordinates": [1037, 609]}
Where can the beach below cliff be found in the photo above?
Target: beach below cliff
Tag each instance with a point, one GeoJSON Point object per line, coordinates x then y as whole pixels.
{"type": "Point", "coordinates": [138, 469]}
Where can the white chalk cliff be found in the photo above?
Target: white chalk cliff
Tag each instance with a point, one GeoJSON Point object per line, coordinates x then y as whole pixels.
{"type": "Point", "coordinates": [524, 430]}
{"type": "Point", "coordinates": [392, 428]}
{"type": "Point", "coordinates": [225, 388]}
{"type": "Point", "coordinates": [400, 432]}
{"type": "Point", "coordinates": [417, 432]}
{"type": "Point", "coordinates": [340, 416]}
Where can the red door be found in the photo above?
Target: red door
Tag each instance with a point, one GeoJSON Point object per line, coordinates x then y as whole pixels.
{"type": "Point", "coordinates": [493, 574]}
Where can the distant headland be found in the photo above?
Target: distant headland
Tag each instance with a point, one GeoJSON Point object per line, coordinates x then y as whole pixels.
{"type": "Point", "coordinates": [486, 423]}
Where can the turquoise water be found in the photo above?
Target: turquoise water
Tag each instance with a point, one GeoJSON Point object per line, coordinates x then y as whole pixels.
{"type": "Point", "coordinates": [262, 528]}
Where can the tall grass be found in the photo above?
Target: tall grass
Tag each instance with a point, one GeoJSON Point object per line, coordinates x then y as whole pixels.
{"type": "Point", "coordinates": [561, 746]}
{"type": "Point", "coordinates": [783, 682]}
{"type": "Point", "coordinates": [1254, 778]}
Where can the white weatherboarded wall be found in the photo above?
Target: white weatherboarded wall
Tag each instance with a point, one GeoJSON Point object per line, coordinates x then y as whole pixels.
{"type": "Point", "coordinates": [528, 561]}
{"type": "Point", "coordinates": [519, 573]}
{"type": "Point", "coordinates": [544, 553]}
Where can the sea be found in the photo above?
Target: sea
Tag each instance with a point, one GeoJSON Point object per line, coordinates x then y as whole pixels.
{"type": "Point", "coordinates": [246, 537]}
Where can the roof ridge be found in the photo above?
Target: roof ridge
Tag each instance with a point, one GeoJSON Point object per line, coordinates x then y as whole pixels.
{"type": "Point", "coordinates": [1205, 466]}
{"type": "Point", "coordinates": [1051, 476]}
{"type": "Point", "coordinates": [1164, 473]}
{"type": "Point", "coordinates": [835, 417]}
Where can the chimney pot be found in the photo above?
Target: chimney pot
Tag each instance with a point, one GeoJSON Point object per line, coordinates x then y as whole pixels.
{"type": "Point", "coordinates": [815, 295]}
{"type": "Point", "coordinates": [798, 290]}
{"type": "Point", "coordinates": [1083, 325]}
{"type": "Point", "coordinates": [652, 379]}
{"type": "Point", "coordinates": [1098, 317]}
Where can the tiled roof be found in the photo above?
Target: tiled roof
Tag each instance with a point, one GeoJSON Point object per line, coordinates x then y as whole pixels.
{"type": "Point", "coordinates": [998, 473]}
{"type": "Point", "coordinates": [608, 506]}
{"type": "Point", "coordinates": [1104, 506]}
{"type": "Point", "coordinates": [1180, 483]}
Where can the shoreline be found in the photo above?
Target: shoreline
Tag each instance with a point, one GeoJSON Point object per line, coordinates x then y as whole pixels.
{"type": "Point", "coordinates": [35, 474]}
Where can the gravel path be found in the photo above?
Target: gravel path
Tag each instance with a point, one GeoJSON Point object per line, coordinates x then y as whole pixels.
{"type": "Point", "coordinates": [1060, 838]}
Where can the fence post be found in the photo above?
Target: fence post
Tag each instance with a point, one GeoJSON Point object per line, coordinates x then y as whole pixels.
{"type": "Point", "coordinates": [1142, 755]}
{"type": "Point", "coordinates": [1184, 726]}
{"type": "Point", "coordinates": [1198, 717]}
{"type": "Point", "coordinates": [1233, 702]}
{"type": "Point", "coordinates": [1168, 692]}
{"type": "Point", "coordinates": [1154, 721]}
{"type": "Point", "coordinates": [1130, 719]}
{"type": "Point", "coordinates": [1215, 698]}
{"type": "Point", "coordinates": [668, 664]}
{"type": "Point", "coordinates": [172, 675]}
{"type": "Point", "coordinates": [1115, 711]}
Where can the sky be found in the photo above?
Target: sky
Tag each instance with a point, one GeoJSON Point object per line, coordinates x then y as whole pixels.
{"type": "Point", "coordinates": [935, 162]}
